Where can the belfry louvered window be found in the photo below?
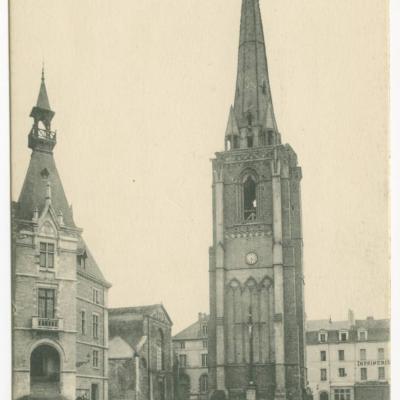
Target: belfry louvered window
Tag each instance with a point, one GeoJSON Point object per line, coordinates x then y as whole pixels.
{"type": "Point", "coordinates": [250, 199]}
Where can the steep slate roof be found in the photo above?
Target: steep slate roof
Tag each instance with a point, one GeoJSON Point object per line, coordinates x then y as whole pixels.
{"type": "Point", "coordinates": [378, 330]}
{"type": "Point", "coordinates": [91, 269]}
{"type": "Point", "coordinates": [325, 324]}
{"type": "Point", "coordinates": [42, 169]}
{"type": "Point", "coordinates": [192, 332]}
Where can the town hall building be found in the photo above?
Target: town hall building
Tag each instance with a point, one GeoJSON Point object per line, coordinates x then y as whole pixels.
{"type": "Point", "coordinates": [256, 329]}
{"type": "Point", "coordinates": [59, 294]}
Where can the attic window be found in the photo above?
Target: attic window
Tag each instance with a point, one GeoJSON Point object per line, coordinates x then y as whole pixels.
{"type": "Point", "coordinates": [44, 173]}
{"type": "Point", "coordinates": [362, 335]}
{"type": "Point", "coordinates": [343, 336]}
{"type": "Point", "coordinates": [81, 258]}
{"type": "Point", "coordinates": [323, 337]}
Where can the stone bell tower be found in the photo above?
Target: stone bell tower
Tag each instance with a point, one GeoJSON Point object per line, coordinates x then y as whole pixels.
{"type": "Point", "coordinates": [256, 328]}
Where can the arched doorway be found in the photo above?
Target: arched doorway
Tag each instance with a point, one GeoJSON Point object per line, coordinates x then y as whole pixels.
{"type": "Point", "coordinates": [184, 387]}
{"type": "Point", "coordinates": [323, 396]}
{"type": "Point", "coordinates": [45, 371]}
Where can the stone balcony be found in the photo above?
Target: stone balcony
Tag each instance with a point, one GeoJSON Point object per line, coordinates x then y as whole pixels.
{"type": "Point", "coordinates": [47, 324]}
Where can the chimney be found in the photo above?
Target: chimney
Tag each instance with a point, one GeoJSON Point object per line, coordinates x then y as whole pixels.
{"type": "Point", "coordinates": [351, 317]}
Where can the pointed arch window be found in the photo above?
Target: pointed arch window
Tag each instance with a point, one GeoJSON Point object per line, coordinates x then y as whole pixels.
{"type": "Point", "coordinates": [250, 198]}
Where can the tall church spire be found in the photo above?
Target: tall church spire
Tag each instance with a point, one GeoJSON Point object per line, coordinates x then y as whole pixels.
{"type": "Point", "coordinates": [253, 106]}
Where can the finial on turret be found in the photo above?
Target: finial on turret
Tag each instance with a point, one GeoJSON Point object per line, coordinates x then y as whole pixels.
{"type": "Point", "coordinates": [60, 218]}
{"type": "Point", "coordinates": [35, 214]}
{"type": "Point", "coordinates": [43, 71]}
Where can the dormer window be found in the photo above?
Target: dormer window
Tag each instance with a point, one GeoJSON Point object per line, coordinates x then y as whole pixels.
{"type": "Point", "coordinates": [46, 255]}
{"type": "Point", "coordinates": [362, 335]}
{"type": "Point", "coordinates": [249, 141]}
{"type": "Point", "coordinates": [81, 259]}
{"type": "Point", "coordinates": [323, 337]}
{"type": "Point", "coordinates": [343, 336]}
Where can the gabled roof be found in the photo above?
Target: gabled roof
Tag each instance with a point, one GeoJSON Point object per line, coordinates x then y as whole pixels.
{"type": "Point", "coordinates": [147, 310]}
{"type": "Point", "coordinates": [192, 332]}
{"type": "Point", "coordinates": [42, 169]}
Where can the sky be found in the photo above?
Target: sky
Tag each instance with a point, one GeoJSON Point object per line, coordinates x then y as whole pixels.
{"type": "Point", "coordinates": [142, 90]}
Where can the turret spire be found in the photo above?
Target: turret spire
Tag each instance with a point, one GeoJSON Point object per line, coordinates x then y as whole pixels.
{"type": "Point", "coordinates": [253, 108]}
{"type": "Point", "coordinates": [41, 137]}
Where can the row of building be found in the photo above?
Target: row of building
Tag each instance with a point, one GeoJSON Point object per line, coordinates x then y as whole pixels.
{"type": "Point", "coordinates": [346, 360]}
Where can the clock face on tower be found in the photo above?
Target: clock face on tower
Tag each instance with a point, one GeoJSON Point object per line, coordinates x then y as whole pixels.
{"type": "Point", "coordinates": [251, 258]}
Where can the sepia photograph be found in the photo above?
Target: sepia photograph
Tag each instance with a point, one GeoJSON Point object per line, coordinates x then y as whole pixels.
{"type": "Point", "coordinates": [199, 200]}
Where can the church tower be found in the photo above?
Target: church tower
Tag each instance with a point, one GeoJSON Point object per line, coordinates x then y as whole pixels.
{"type": "Point", "coordinates": [256, 328]}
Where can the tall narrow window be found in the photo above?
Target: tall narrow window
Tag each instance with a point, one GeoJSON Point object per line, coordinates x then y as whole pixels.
{"type": "Point", "coordinates": [249, 141]}
{"type": "Point", "coordinates": [262, 138]}
{"type": "Point", "coordinates": [381, 373]}
{"type": "Point", "coordinates": [46, 255]}
{"type": "Point", "coordinates": [203, 384]}
{"type": "Point", "coordinates": [182, 360]}
{"type": "Point", "coordinates": [83, 322]}
{"type": "Point", "coordinates": [95, 326]}
{"type": "Point", "coordinates": [235, 143]}
{"type": "Point", "coordinates": [363, 354]}
{"type": "Point", "coordinates": [95, 358]}
{"type": "Point", "coordinates": [364, 374]}
{"type": "Point", "coordinates": [323, 355]}
{"type": "Point", "coordinates": [341, 355]}
{"type": "Point", "coordinates": [342, 372]}
{"type": "Point", "coordinates": [204, 360]}
{"type": "Point", "coordinates": [160, 350]}
{"type": "Point", "coordinates": [381, 353]}
{"type": "Point", "coordinates": [46, 303]}
{"type": "Point", "coordinates": [96, 296]}
{"type": "Point", "coordinates": [270, 138]}
{"type": "Point", "coordinates": [323, 374]}
{"type": "Point", "coordinates": [250, 201]}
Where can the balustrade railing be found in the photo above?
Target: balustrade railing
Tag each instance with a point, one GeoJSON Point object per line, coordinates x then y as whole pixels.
{"type": "Point", "coordinates": [53, 324]}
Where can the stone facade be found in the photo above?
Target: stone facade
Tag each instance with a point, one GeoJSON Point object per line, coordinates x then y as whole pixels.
{"type": "Point", "coordinates": [349, 360]}
{"type": "Point", "coordinates": [52, 273]}
{"type": "Point", "coordinates": [140, 360]}
{"type": "Point", "coordinates": [256, 328]}
{"type": "Point", "coordinates": [191, 358]}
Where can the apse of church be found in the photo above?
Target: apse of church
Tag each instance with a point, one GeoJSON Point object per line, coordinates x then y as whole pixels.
{"type": "Point", "coordinates": [256, 328]}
